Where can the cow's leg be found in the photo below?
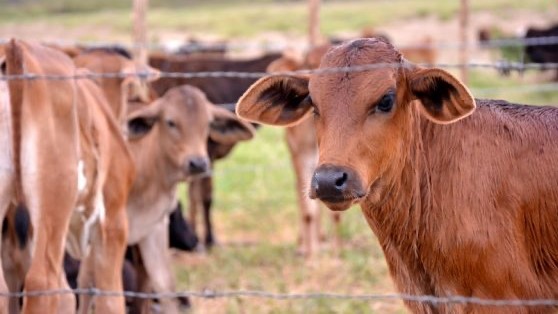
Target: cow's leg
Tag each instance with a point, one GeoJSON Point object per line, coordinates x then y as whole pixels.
{"type": "Point", "coordinates": [85, 280]}
{"type": "Point", "coordinates": [50, 209]}
{"type": "Point", "coordinates": [67, 304]}
{"type": "Point", "coordinates": [194, 197]}
{"type": "Point", "coordinates": [139, 305]}
{"type": "Point", "coordinates": [154, 251]}
{"type": "Point", "coordinates": [106, 257]}
{"type": "Point", "coordinates": [207, 199]}
{"type": "Point", "coordinates": [15, 261]}
{"type": "Point", "coordinates": [303, 149]}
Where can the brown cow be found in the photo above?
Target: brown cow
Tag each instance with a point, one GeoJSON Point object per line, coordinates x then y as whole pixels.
{"type": "Point", "coordinates": [462, 203]}
{"type": "Point", "coordinates": [168, 143]}
{"type": "Point", "coordinates": [121, 90]}
{"type": "Point", "coordinates": [73, 172]}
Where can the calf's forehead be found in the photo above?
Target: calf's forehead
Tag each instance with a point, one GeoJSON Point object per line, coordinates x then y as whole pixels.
{"type": "Point", "coordinates": [188, 104]}
{"type": "Point", "coordinates": [357, 87]}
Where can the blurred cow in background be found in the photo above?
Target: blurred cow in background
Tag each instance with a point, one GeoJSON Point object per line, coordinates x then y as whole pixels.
{"type": "Point", "coordinates": [543, 53]}
{"type": "Point", "coordinates": [222, 91]}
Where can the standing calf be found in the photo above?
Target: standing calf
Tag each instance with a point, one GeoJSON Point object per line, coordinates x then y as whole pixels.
{"type": "Point", "coordinates": [463, 202]}
{"type": "Point", "coordinates": [168, 143]}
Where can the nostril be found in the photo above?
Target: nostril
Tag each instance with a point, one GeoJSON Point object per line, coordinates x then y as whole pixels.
{"type": "Point", "coordinates": [198, 165]}
{"type": "Point", "coordinates": [340, 182]}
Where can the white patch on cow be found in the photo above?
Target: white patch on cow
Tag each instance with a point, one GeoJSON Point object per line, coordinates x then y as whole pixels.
{"type": "Point", "coordinates": [81, 179]}
{"type": "Point", "coordinates": [97, 216]}
{"type": "Point", "coordinates": [6, 157]}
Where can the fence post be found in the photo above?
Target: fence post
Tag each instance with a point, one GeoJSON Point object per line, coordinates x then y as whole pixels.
{"type": "Point", "coordinates": [140, 31]}
{"type": "Point", "coordinates": [314, 22]}
{"type": "Point", "coordinates": [463, 28]}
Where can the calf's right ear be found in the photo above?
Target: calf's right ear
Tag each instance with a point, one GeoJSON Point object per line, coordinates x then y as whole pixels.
{"type": "Point", "coordinates": [141, 121]}
{"type": "Point", "coordinates": [276, 100]}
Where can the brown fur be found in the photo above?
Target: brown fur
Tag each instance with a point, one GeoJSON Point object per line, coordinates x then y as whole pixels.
{"type": "Point", "coordinates": [76, 122]}
{"type": "Point", "coordinates": [468, 208]}
{"type": "Point", "coordinates": [162, 155]}
{"type": "Point", "coordinates": [118, 91]}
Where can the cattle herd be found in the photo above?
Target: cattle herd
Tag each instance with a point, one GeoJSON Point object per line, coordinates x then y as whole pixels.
{"type": "Point", "coordinates": [460, 192]}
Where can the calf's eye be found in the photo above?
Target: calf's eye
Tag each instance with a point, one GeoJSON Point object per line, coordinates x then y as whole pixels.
{"type": "Point", "coordinates": [171, 124]}
{"type": "Point", "coordinates": [386, 103]}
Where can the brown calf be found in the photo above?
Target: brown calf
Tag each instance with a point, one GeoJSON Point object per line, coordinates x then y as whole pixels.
{"type": "Point", "coordinates": [462, 203]}
{"type": "Point", "coordinates": [219, 90]}
{"type": "Point", "coordinates": [168, 143]}
{"type": "Point", "coordinates": [72, 170]}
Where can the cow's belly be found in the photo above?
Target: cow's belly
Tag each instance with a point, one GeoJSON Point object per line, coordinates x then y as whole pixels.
{"type": "Point", "coordinates": [143, 217]}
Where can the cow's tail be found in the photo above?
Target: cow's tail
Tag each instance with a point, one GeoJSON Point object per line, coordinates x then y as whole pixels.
{"type": "Point", "coordinates": [14, 66]}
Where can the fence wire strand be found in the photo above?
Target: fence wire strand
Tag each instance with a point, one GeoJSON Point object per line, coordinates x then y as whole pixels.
{"type": "Point", "coordinates": [503, 66]}
{"type": "Point", "coordinates": [259, 294]}
{"type": "Point", "coordinates": [201, 47]}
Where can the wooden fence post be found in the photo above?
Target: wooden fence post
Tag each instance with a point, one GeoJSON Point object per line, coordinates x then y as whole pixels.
{"type": "Point", "coordinates": [140, 31]}
{"type": "Point", "coordinates": [314, 22]}
{"type": "Point", "coordinates": [463, 30]}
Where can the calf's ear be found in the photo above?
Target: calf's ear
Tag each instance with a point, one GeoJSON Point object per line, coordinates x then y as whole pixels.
{"type": "Point", "coordinates": [276, 100]}
{"type": "Point", "coordinates": [141, 121]}
{"type": "Point", "coordinates": [444, 99]}
{"type": "Point", "coordinates": [226, 128]}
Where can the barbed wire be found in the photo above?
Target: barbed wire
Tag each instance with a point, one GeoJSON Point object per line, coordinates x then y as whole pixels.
{"type": "Point", "coordinates": [260, 294]}
{"type": "Point", "coordinates": [239, 46]}
{"type": "Point", "coordinates": [502, 66]}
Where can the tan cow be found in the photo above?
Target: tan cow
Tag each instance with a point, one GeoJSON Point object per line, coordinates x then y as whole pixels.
{"type": "Point", "coordinates": [119, 90]}
{"type": "Point", "coordinates": [301, 141]}
{"type": "Point", "coordinates": [168, 143]}
{"type": "Point", "coordinates": [71, 169]}
{"type": "Point", "coordinates": [463, 202]}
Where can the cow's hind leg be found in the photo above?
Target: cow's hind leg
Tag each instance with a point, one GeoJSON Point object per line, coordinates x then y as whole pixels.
{"type": "Point", "coordinates": [50, 214]}
{"type": "Point", "coordinates": [107, 257]}
{"type": "Point", "coordinates": [4, 203]}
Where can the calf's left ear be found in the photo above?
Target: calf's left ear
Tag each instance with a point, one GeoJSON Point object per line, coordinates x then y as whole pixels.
{"type": "Point", "coordinates": [444, 99]}
{"type": "Point", "coordinates": [226, 128]}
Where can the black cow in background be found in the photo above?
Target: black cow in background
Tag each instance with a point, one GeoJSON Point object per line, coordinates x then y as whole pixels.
{"type": "Point", "coordinates": [543, 53]}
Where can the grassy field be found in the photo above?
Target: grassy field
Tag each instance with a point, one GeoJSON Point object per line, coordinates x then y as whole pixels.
{"type": "Point", "coordinates": [241, 18]}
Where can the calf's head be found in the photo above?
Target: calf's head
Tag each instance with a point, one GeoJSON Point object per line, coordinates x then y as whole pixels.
{"type": "Point", "coordinates": [365, 120]}
{"type": "Point", "coordinates": [119, 90]}
{"type": "Point", "coordinates": [180, 123]}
